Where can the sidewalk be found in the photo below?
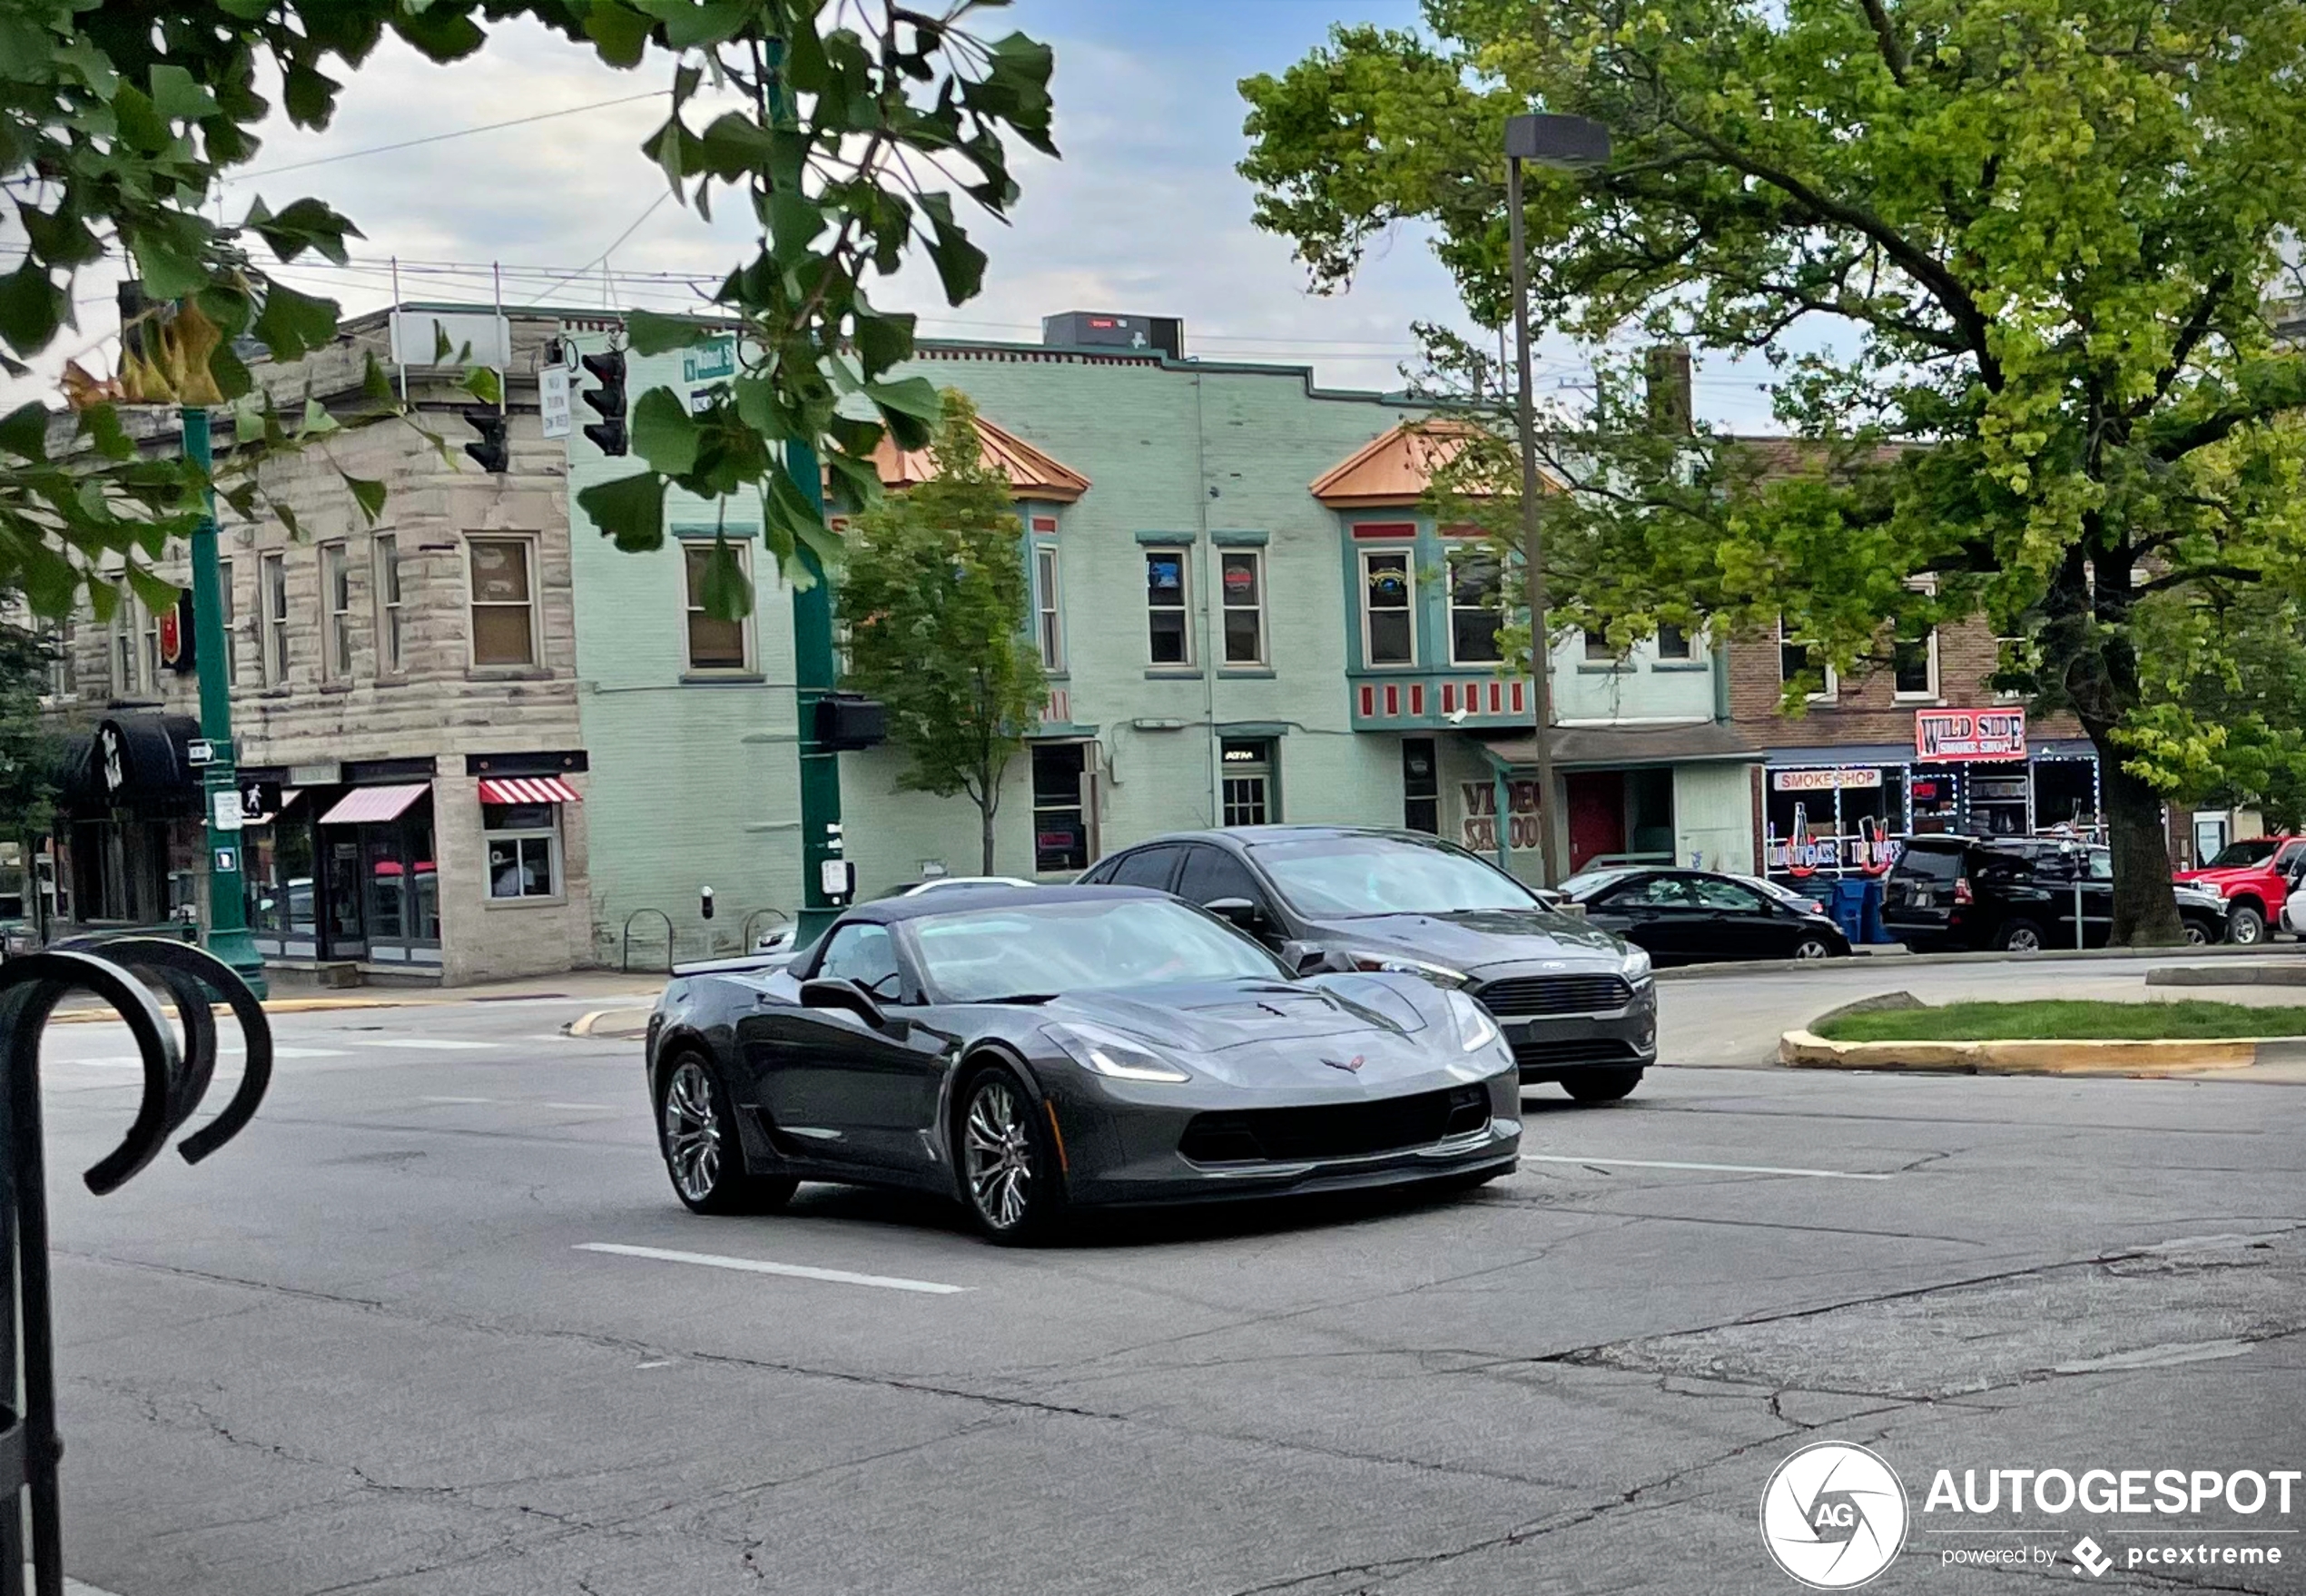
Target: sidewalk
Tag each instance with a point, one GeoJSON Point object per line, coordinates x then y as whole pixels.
{"type": "Point", "coordinates": [294, 995]}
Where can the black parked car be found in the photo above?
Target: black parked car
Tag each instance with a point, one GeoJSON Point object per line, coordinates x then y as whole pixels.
{"type": "Point", "coordinates": [1032, 1052]}
{"type": "Point", "coordinates": [1699, 916]}
{"type": "Point", "coordinates": [1577, 1004]}
{"type": "Point", "coordinates": [2017, 895]}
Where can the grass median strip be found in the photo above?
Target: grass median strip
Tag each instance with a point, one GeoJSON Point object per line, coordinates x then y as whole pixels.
{"type": "Point", "coordinates": [2067, 1020]}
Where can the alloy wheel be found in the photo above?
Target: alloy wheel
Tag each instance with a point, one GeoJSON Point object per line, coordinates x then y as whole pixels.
{"type": "Point", "coordinates": [998, 1155]}
{"type": "Point", "coordinates": [1812, 949]}
{"type": "Point", "coordinates": [2025, 940]}
{"type": "Point", "coordinates": [692, 1132]}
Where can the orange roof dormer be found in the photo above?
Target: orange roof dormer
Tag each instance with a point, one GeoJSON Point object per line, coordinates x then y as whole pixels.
{"type": "Point", "coordinates": [1032, 474]}
{"type": "Point", "coordinates": [1394, 468]}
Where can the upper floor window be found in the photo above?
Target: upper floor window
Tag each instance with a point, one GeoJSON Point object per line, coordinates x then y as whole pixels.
{"type": "Point", "coordinates": [1915, 666]}
{"type": "Point", "coordinates": [387, 580]}
{"type": "Point", "coordinates": [1793, 661]}
{"type": "Point", "coordinates": [150, 627]}
{"type": "Point", "coordinates": [1388, 610]}
{"type": "Point", "coordinates": [1241, 574]}
{"type": "Point", "coordinates": [1048, 625]}
{"type": "Point", "coordinates": [272, 573]}
{"type": "Point", "coordinates": [128, 677]}
{"type": "Point", "coordinates": [1674, 644]}
{"type": "Point", "coordinates": [713, 644]}
{"type": "Point", "coordinates": [1473, 616]}
{"type": "Point", "coordinates": [1597, 647]}
{"type": "Point", "coordinates": [1167, 594]}
{"type": "Point", "coordinates": [228, 612]}
{"type": "Point", "coordinates": [336, 613]}
{"type": "Point", "coordinates": [64, 670]}
{"type": "Point", "coordinates": [504, 618]}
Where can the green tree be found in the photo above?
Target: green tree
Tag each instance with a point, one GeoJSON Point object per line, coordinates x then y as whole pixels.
{"type": "Point", "coordinates": [31, 752]}
{"type": "Point", "coordinates": [2042, 237]}
{"type": "Point", "coordinates": [116, 121]}
{"type": "Point", "coordinates": [936, 605]}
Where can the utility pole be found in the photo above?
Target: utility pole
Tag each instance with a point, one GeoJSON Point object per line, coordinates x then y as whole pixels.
{"type": "Point", "coordinates": [1570, 143]}
{"type": "Point", "coordinates": [228, 936]}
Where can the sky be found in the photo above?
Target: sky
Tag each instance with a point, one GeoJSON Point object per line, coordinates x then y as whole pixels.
{"type": "Point", "coordinates": [1144, 212]}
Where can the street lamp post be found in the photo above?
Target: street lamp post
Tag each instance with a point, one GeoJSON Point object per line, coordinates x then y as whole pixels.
{"type": "Point", "coordinates": [1572, 143]}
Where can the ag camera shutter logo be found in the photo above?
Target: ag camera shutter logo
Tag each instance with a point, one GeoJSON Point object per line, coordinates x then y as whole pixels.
{"type": "Point", "coordinates": [1833, 1515]}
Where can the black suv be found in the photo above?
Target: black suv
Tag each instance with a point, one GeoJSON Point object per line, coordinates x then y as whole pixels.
{"type": "Point", "coordinates": [2015, 893]}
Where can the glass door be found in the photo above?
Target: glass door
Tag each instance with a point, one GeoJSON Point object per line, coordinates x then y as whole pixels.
{"type": "Point", "coordinates": [344, 925]}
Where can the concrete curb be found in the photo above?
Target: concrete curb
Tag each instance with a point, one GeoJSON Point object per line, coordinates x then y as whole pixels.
{"type": "Point", "coordinates": [1803, 1050]}
{"type": "Point", "coordinates": [610, 1024]}
{"type": "Point", "coordinates": [2295, 951]}
{"type": "Point", "coordinates": [2211, 975]}
{"type": "Point", "coordinates": [272, 1006]}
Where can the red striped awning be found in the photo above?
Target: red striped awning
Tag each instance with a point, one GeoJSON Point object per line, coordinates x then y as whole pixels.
{"type": "Point", "coordinates": [527, 790]}
{"type": "Point", "coordinates": [371, 804]}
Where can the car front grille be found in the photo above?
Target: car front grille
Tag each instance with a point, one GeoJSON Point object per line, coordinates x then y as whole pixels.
{"type": "Point", "coordinates": [1520, 995]}
{"type": "Point", "coordinates": [1339, 1130]}
{"type": "Point", "coordinates": [1592, 1050]}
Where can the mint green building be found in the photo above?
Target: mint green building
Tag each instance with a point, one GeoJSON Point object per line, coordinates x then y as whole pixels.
{"type": "Point", "coordinates": [1246, 616]}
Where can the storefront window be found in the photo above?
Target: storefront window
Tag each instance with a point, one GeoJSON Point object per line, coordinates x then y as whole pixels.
{"type": "Point", "coordinates": [1060, 832]}
{"type": "Point", "coordinates": [523, 849]}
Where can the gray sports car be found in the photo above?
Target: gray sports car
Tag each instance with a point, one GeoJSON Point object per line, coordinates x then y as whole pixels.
{"type": "Point", "coordinates": [1032, 1052]}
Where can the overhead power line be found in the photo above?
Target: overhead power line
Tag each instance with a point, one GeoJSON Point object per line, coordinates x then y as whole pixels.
{"type": "Point", "coordinates": [437, 138]}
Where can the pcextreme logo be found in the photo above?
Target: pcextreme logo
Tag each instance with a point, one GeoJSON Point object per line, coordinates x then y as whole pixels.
{"type": "Point", "coordinates": [1833, 1515]}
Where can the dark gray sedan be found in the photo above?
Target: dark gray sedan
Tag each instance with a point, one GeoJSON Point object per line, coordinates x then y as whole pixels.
{"type": "Point", "coordinates": [1577, 1004]}
{"type": "Point", "coordinates": [1036, 1051]}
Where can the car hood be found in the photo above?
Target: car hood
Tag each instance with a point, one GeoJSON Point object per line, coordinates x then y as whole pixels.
{"type": "Point", "coordinates": [2227, 874]}
{"type": "Point", "coordinates": [1215, 1016]}
{"type": "Point", "coordinates": [1472, 938]}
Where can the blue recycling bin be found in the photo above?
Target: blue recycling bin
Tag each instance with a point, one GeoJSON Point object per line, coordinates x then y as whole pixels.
{"type": "Point", "coordinates": [1848, 906]}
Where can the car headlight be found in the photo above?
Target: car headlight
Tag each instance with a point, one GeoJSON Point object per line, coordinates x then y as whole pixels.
{"type": "Point", "coordinates": [1635, 967]}
{"type": "Point", "coordinates": [1110, 1054]}
{"type": "Point", "coordinates": [1441, 975]}
{"type": "Point", "coordinates": [1475, 1029]}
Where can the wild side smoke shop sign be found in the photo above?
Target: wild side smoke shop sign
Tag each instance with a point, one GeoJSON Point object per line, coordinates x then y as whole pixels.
{"type": "Point", "coordinates": [1941, 736]}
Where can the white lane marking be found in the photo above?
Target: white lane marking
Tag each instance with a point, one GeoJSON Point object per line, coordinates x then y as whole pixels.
{"type": "Point", "coordinates": [1717, 1169]}
{"type": "Point", "coordinates": [72, 1587]}
{"type": "Point", "coordinates": [655, 1364]}
{"type": "Point", "coordinates": [2168, 1355]}
{"type": "Point", "coordinates": [455, 1099]}
{"type": "Point", "coordinates": [420, 1044]}
{"type": "Point", "coordinates": [758, 1267]}
{"type": "Point", "coordinates": [602, 1107]}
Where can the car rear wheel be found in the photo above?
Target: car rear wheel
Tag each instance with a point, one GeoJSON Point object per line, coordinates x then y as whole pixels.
{"type": "Point", "coordinates": [696, 1131]}
{"type": "Point", "coordinates": [1813, 948]}
{"type": "Point", "coordinates": [2245, 924]}
{"type": "Point", "coordinates": [2020, 936]}
{"type": "Point", "coordinates": [1600, 1085]}
{"type": "Point", "coordinates": [1009, 1176]}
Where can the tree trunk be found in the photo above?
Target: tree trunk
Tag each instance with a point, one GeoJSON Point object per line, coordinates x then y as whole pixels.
{"type": "Point", "coordinates": [2145, 912]}
{"type": "Point", "coordinates": [985, 825]}
{"type": "Point", "coordinates": [988, 800]}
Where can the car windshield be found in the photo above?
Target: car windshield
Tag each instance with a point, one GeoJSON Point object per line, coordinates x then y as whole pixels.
{"type": "Point", "coordinates": [1579, 888]}
{"type": "Point", "coordinates": [2256, 851]}
{"type": "Point", "coordinates": [1353, 878]}
{"type": "Point", "coordinates": [972, 955]}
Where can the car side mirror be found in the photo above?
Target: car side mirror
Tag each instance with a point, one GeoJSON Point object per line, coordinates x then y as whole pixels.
{"type": "Point", "coordinates": [831, 993]}
{"type": "Point", "coordinates": [1312, 959]}
{"type": "Point", "coordinates": [1237, 912]}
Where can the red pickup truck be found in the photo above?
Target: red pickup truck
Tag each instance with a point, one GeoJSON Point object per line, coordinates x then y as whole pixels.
{"type": "Point", "coordinates": [2255, 877]}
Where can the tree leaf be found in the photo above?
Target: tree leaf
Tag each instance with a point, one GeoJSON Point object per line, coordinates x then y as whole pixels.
{"type": "Point", "coordinates": [664, 433]}
{"type": "Point", "coordinates": [291, 323]}
{"type": "Point", "coordinates": [23, 431]}
{"type": "Point", "coordinates": [630, 510]}
{"type": "Point", "coordinates": [617, 32]}
{"type": "Point", "coordinates": [723, 587]}
{"type": "Point", "coordinates": [646, 332]}
{"type": "Point", "coordinates": [485, 384]}
{"type": "Point", "coordinates": [178, 96]}
{"type": "Point", "coordinates": [31, 307]}
{"type": "Point", "coordinates": [368, 493]}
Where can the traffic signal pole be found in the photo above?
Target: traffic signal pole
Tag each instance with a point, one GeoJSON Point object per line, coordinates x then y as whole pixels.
{"type": "Point", "coordinates": [228, 937]}
{"type": "Point", "coordinates": [815, 672]}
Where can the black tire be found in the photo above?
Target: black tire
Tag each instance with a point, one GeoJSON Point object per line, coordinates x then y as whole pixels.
{"type": "Point", "coordinates": [698, 1139]}
{"type": "Point", "coordinates": [2245, 924]}
{"type": "Point", "coordinates": [1012, 1184]}
{"type": "Point", "coordinates": [1816, 946]}
{"type": "Point", "coordinates": [1600, 1086]}
{"type": "Point", "coordinates": [2200, 932]}
{"type": "Point", "coordinates": [2019, 936]}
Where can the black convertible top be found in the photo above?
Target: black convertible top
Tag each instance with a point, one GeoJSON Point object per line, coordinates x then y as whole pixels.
{"type": "Point", "coordinates": [957, 899]}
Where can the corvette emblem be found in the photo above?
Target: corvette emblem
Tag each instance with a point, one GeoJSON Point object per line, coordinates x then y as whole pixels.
{"type": "Point", "coordinates": [1348, 1065]}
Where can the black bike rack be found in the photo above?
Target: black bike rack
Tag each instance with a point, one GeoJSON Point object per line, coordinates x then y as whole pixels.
{"type": "Point", "coordinates": [176, 1076]}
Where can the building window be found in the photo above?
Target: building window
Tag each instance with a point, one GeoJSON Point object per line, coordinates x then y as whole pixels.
{"type": "Point", "coordinates": [336, 613]}
{"type": "Point", "coordinates": [273, 615]}
{"type": "Point", "coordinates": [1388, 613]}
{"type": "Point", "coordinates": [1168, 590]}
{"type": "Point", "coordinates": [1241, 574]}
{"type": "Point", "coordinates": [504, 626]}
{"type": "Point", "coordinates": [1419, 787]}
{"type": "Point", "coordinates": [387, 580]}
{"type": "Point", "coordinates": [1674, 644]}
{"type": "Point", "coordinates": [64, 670]}
{"type": "Point", "coordinates": [1597, 647]}
{"type": "Point", "coordinates": [713, 646]}
{"type": "Point", "coordinates": [1247, 781]}
{"type": "Point", "coordinates": [228, 612]}
{"type": "Point", "coordinates": [1048, 625]}
{"type": "Point", "coordinates": [523, 849]}
{"type": "Point", "coordinates": [1060, 808]}
{"type": "Point", "coordinates": [127, 660]}
{"type": "Point", "coordinates": [149, 623]}
{"type": "Point", "coordinates": [1793, 661]}
{"type": "Point", "coordinates": [1915, 666]}
{"type": "Point", "coordinates": [1473, 614]}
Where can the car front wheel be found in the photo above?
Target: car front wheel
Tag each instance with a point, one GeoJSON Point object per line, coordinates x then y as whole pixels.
{"type": "Point", "coordinates": [696, 1131]}
{"type": "Point", "coordinates": [1600, 1085]}
{"type": "Point", "coordinates": [1813, 948]}
{"type": "Point", "coordinates": [2245, 925]}
{"type": "Point", "coordinates": [2198, 933]}
{"type": "Point", "coordinates": [1010, 1179]}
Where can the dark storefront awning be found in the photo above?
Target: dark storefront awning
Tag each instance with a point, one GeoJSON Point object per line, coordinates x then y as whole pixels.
{"type": "Point", "coordinates": [137, 762]}
{"type": "Point", "coordinates": [1623, 747]}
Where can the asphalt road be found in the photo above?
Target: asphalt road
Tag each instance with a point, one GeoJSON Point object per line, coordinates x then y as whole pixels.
{"type": "Point", "coordinates": [374, 1344]}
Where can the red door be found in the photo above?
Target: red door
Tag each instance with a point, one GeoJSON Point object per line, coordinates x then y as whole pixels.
{"type": "Point", "coordinates": [1597, 816]}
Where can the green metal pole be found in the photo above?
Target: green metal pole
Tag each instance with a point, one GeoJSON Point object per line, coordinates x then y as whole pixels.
{"type": "Point", "coordinates": [815, 672]}
{"type": "Point", "coordinates": [228, 936]}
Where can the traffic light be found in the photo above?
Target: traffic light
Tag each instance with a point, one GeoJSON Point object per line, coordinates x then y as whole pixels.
{"type": "Point", "coordinates": [490, 449]}
{"type": "Point", "coordinates": [608, 370]}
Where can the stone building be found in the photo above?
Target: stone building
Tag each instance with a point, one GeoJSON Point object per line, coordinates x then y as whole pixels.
{"type": "Point", "coordinates": [403, 694]}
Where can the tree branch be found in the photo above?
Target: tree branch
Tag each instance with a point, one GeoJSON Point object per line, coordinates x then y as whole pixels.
{"type": "Point", "coordinates": [1893, 53]}
{"type": "Point", "coordinates": [2196, 574]}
